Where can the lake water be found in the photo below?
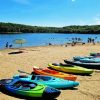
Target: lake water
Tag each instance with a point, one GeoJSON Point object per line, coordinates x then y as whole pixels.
{"type": "Point", "coordinates": [43, 39]}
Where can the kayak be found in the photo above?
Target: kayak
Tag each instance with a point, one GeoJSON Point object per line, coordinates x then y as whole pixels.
{"type": "Point", "coordinates": [95, 54]}
{"type": "Point", "coordinates": [82, 64]}
{"type": "Point", "coordinates": [70, 68]}
{"type": "Point", "coordinates": [48, 80]}
{"type": "Point", "coordinates": [78, 58]}
{"type": "Point", "coordinates": [27, 88]}
{"type": "Point", "coordinates": [87, 59]}
{"type": "Point", "coordinates": [49, 72]}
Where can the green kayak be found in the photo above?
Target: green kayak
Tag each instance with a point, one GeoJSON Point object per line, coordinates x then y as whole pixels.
{"type": "Point", "coordinates": [70, 68]}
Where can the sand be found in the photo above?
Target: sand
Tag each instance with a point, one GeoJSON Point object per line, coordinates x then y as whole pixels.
{"type": "Point", "coordinates": [89, 88]}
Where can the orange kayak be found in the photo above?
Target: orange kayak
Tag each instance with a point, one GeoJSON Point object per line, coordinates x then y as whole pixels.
{"type": "Point", "coordinates": [49, 72]}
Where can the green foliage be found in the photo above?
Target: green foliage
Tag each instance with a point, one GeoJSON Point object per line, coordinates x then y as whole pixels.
{"type": "Point", "coordinates": [20, 28]}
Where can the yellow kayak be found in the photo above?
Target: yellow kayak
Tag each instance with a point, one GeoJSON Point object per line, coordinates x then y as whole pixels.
{"type": "Point", "coordinates": [70, 68]}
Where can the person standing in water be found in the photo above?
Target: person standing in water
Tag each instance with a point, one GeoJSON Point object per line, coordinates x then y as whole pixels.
{"type": "Point", "coordinates": [7, 45]}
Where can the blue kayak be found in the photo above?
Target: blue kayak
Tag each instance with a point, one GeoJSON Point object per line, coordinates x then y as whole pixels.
{"type": "Point", "coordinates": [87, 59]}
{"type": "Point", "coordinates": [83, 64]}
{"type": "Point", "coordinates": [48, 80]}
{"type": "Point", "coordinates": [28, 89]}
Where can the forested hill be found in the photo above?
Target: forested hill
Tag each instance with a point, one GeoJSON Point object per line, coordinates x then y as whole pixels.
{"type": "Point", "coordinates": [20, 28]}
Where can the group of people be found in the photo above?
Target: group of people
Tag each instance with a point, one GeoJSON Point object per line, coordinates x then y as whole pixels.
{"type": "Point", "coordinates": [90, 40]}
{"type": "Point", "coordinates": [8, 45]}
{"type": "Point", "coordinates": [76, 39]}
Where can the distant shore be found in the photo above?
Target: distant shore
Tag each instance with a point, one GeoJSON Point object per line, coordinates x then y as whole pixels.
{"type": "Point", "coordinates": [13, 27]}
{"type": "Point", "coordinates": [9, 32]}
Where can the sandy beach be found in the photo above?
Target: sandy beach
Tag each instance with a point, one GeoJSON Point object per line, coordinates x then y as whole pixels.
{"type": "Point", "coordinates": [89, 88]}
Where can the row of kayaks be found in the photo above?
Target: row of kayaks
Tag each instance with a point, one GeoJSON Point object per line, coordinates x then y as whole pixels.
{"type": "Point", "coordinates": [45, 82]}
{"type": "Point", "coordinates": [43, 85]}
{"type": "Point", "coordinates": [91, 62]}
{"type": "Point", "coordinates": [39, 86]}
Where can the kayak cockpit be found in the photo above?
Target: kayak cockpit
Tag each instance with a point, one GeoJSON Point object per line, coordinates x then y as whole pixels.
{"type": "Point", "coordinates": [23, 85]}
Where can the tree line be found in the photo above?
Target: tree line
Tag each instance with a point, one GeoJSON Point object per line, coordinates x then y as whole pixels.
{"type": "Point", "coordinates": [20, 28]}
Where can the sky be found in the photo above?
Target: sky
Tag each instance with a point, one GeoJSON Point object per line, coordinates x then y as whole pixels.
{"type": "Point", "coordinates": [56, 13]}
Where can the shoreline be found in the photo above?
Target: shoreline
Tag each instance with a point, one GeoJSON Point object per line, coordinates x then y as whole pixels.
{"type": "Point", "coordinates": [63, 45]}
{"type": "Point", "coordinates": [48, 33]}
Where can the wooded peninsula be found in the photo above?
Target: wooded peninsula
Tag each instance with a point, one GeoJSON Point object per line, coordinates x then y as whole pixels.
{"type": "Point", "coordinates": [20, 28]}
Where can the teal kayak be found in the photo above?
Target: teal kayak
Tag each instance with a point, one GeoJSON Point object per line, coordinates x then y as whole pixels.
{"type": "Point", "coordinates": [48, 80]}
{"type": "Point", "coordinates": [87, 59]}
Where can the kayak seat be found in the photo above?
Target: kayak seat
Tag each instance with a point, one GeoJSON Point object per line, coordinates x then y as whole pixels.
{"type": "Point", "coordinates": [25, 88]}
{"type": "Point", "coordinates": [43, 78]}
{"type": "Point", "coordinates": [67, 65]}
{"type": "Point", "coordinates": [32, 86]}
{"type": "Point", "coordinates": [55, 64]}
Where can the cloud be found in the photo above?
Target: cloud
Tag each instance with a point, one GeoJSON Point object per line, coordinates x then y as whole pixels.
{"type": "Point", "coordinates": [24, 2]}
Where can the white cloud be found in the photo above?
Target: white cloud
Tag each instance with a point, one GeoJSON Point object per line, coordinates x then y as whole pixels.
{"type": "Point", "coordinates": [25, 2]}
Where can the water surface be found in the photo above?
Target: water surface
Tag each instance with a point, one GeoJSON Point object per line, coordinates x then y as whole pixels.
{"type": "Point", "coordinates": [43, 39]}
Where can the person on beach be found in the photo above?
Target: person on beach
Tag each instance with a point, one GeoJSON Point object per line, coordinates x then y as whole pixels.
{"type": "Point", "coordinates": [50, 43]}
{"type": "Point", "coordinates": [73, 43]}
{"type": "Point", "coordinates": [10, 46]}
{"type": "Point", "coordinates": [7, 45]}
{"type": "Point", "coordinates": [93, 41]}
